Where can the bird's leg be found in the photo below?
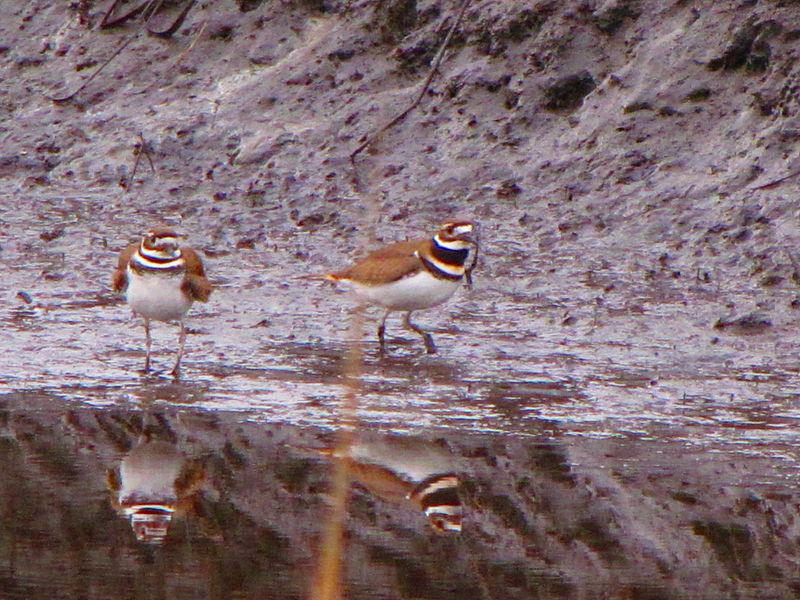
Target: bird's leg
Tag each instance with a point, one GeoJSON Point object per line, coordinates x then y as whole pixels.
{"type": "Point", "coordinates": [430, 347]}
{"type": "Point", "coordinates": [176, 370]}
{"type": "Point", "coordinates": [147, 345]}
{"type": "Point", "coordinates": [382, 330]}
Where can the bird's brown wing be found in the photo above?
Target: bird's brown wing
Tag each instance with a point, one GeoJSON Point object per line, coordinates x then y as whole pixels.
{"type": "Point", "coordinates": [195, 284]}
{"type": "Point", "coordinates": [119, 280]}
{"type": "Point", "coordinates": [387, 264]}
{"type": "Point", "coordinates": [194, 264]}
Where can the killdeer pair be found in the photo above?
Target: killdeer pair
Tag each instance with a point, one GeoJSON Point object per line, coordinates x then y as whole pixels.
{"type": "Point", "coordinates": [161, 280]}
{"type": "Point", "coordinates": [413, 275]}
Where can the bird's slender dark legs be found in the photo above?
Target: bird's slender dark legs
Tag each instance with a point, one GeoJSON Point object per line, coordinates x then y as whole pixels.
{"type": "Point", "coordinates": [176, 370]}
{"type": "Point", "coordinates": [147, 342]}
{"type": "Point", "coordinates": [382, 331]}
{"type": "Point", "coordinates": [430, 347]}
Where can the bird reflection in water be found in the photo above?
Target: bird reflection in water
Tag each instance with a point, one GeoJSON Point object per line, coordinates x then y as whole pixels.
{"type": "Point", "coordinates": [408, 471]}
{"type": "Point", "coordinates": [154, 482]}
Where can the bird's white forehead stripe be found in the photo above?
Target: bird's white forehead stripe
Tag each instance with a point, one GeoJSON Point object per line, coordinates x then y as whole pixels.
{"type": "Point", "coordinates": [169, 239]}
{"type": "Point", "coordinates": [461, 229]}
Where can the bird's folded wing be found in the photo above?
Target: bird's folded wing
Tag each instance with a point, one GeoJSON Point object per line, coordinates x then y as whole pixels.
{"type": "Point", "coordinates": [388, 264]}
{"type": "Point", "coordinates": [119, 280]}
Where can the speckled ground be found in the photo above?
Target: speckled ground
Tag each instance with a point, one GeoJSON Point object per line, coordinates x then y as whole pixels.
{"type": "Point", "coordinates": [636, 282]}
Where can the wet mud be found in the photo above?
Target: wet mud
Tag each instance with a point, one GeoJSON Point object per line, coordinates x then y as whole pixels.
{"type": "Point", "coordinates": [617, 393]}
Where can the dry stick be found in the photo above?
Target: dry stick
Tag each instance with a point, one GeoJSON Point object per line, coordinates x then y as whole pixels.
{"type": "Point", "coordinates": [777, 181]}
{"type": "Point", "coordinates": [119, 49]}
{"type": "Point", "coordinates": [142, 150]}
{"type": "Point", "coordinates": [468, 271]}
{"type": "Point", "coordinates": [147, 153]}
{"type": "Point", "coordinates": [175, 25]}
{"type": "Point", "coordinates": [434, 68]}
{"type": "Point", "coordinates": [484, 586]}
{"type": "Point", "coordinates": [109, 21]}
{"type": "Point", "coordinates": [328, 582]}
{"type": "Point", "coordinates": [181, 56]}
{"type": "Point", "coordinates": [426, 84]}
{"type": "Point", "coordinates": [327, 585]}
{"type": "Point", "coordinates": [135, 165]}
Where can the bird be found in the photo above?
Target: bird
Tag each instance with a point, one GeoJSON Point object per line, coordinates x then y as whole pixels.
{"type": "Point", "coordinates": [146, 488]}
{"type": "Point", "coordinates": [414, 275]}
{"type": "Point", "coordinates": [161, 280]}
{"type": "Point", "coordinates": [406, 471]}
{"type": "Point", "coordinates": [154, 482]}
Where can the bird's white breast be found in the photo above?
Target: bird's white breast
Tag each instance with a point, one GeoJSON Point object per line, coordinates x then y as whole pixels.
{"type": "Point", "coordinates": [148, 473]}
{"type": "Point", "coordinates": [416, 292]}
{"type": "Point", "coordinates": [157, 296]}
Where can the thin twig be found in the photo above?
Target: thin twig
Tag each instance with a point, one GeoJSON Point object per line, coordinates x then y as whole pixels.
{"type": "Point", "coordinates": [468, 271]}
{"type": "Point", "coordinates": [426, 84]}
{"type": "Point", "coordinates": [146, 152]}
{"type": "Point", "coordinates": [482, 583]}
{"type": "Point", "coordinates": [147, 9]}
{"type": "Point", "coordinates": [142, 150]}
{"type": "Point", "coordinates": [108, 21]}
{"type": "Point", "coordinates": [189, 48]}
{"type": "Point", "coordinates": [129, 183]}
{"type": "Point", "coordinates": [777, 181]}
{"type": "Point", "coordinates": [329, 579]}
{"type": "Point", "coordinates": [174, 26]}
{"type": "Point", "coordinates": [119, 49]}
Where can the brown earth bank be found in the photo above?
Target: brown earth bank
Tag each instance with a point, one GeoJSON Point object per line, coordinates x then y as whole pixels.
{"type": "Point", "coordinates": [627, 352]}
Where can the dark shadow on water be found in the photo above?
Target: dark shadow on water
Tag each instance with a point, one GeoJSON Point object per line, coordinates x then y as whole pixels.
{"type": "Point", "coordinates": [110, 502]}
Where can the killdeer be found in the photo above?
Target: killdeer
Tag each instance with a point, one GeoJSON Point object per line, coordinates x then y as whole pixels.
{"type": "Point", "coordinates": [154, 482]}
{"type": "Point", "coordinates": [408, 471]}
{"type": "Point", "coordinates": [413, 275]}
{"type": "Point", "coordinates": [161, 280]}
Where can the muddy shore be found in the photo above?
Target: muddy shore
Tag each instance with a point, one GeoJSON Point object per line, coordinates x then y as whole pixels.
{"type": "Point", "coordinates": [627, 353]}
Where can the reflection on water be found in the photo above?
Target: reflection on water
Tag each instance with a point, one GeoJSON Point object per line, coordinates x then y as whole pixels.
{"type": "Point", "coordinates": [225, 505]}
{"type": "Point", "coordinates": [408, 471]}
{"type": "Point", "coordinates": [154, 481]}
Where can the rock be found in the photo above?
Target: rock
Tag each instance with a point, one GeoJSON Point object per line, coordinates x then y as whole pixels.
{"type": "Point", "coordinates": [748, 48]}
{"type": "Point", "coordinates": [751, 323]}
{"type": "Point", "coordinates": [395, 18]}
{"type": "Point", "coordinates": [567, 93]}
{"type": "Point", "coordinates": [610, 17]}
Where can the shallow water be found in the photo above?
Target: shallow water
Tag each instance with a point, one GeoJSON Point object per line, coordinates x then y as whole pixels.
{"type": "Point", "coordinates": [608, 444]}
{"type": "Point", "coordinates": [550, 511]}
